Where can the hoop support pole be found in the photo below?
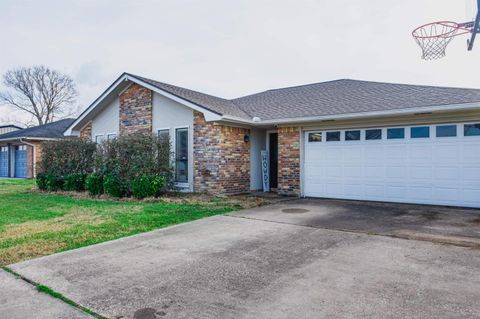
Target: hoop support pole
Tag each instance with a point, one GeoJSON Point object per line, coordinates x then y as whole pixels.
{"type": "Point", "coordinates": [475, 28]}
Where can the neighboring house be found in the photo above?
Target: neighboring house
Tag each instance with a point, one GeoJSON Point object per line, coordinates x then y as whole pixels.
{"type": "Point", "coordinates": [8, 128]}
{"type": "Point", "coordinates": [341, 139]}
{"type": "Point", "coordinates": [21, 150]}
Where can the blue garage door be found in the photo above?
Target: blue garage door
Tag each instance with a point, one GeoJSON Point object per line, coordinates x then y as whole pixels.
{"type": "Point", "coordinates": [21, 161]}
{"type": "Point", "coordinates": [4, 161]}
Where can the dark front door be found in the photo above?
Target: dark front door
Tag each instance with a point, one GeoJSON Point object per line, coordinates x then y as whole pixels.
{"type": "Point", "coordinates": [273, 151]}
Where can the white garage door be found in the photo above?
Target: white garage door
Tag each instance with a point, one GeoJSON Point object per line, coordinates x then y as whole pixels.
{"type": "Point", "coordinates": [436, 164]}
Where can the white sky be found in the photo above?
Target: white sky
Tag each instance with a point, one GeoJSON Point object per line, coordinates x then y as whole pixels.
{"type": "Point", "coordinates": [230, 48]}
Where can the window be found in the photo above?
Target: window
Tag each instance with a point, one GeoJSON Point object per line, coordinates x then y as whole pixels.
{"type": "Point", "coordinates": [181, 155]}
{"type": "Point", "coordinates": [4, 149]}
{"type": "Point", "coordinates": [99, 138]}
{"type": "Point", "coordinates": [164, 135]}
{"type": "Point", "coordinates": [420, 132]}
{"type": "Point", "coordinates": [395, 133]}
{"type": "Point", "coordinates": [471, 130]}
{"type": "Point", "coordinates": [352, 135]}
{"type": "Point", "coordinates": [111, 136]}
{"type": "Point", "coordinates": [21, 147]}
{"type": "Point", "coordinates": [314, 137]}
{"type": "Point", "coordinates": [446, 130]}
{"type": "Point", "coordinates": [333, 136]}
{"type": "Point", "coordinates": [375, 134]}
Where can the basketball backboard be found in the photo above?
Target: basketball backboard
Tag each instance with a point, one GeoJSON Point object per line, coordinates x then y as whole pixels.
{"type": "Point", "coordinates": [434, 37]}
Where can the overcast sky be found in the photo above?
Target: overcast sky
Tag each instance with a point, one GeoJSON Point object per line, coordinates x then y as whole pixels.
{"type": "Point", "coordinates": [230, 48]}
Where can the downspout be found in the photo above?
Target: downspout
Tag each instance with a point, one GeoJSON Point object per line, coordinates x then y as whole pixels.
{"type": "Point", "coordinates": [34, 157]}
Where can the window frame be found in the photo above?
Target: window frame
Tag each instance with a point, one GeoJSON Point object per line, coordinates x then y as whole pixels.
{"type": "Point", "coordinates": [167, 130]}
{"type": "Point", "coordinates": [353, 130]}
{"type": "Point", "coordinates": [447, 136]}
{"type": "Point", "coordinates": [465, 131]}
{"type": "Point", "coordinates": [182, 183]}
{"type": "Point", "coordinates": [396, 128]}
{"type": "Point", "coordinates": [316, 141]}
{"type": "Point", "coordinates": [330, 132]}
{"type": "Point", "coordinates": [97, 136]}
{"type": "Point", "coordinates": [109, 138]}
{"type": "Point", "coordinates": [374, 139]}
{"type": "Point", "coordinates": [420, 137]}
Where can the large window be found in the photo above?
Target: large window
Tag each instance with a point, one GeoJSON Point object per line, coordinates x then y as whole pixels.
{"type": "Point", "coordinates": [446, 130]}
{"type": "Point", "coordinates": [181, 155]}
{"type": "Point", "coordinates": [471, 130]}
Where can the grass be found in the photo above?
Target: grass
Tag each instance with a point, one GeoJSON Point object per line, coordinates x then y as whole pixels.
{"type": "Point", "coordinates": [34, 224]}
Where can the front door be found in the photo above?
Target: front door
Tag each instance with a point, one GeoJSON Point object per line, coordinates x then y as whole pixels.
{"type": "Point", "coordinates": [273, 151]}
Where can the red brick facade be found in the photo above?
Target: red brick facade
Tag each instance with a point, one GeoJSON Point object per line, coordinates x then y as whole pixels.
{"type": "Point", "coordinates": [289, 160]}
{"type": "Point", "coordinates": [221, 157]}
{"type": "Point", "coordinates": [136, 110]}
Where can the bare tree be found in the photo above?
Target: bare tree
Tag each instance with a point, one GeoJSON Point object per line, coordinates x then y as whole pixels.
{"type": "Point", "coordinates": [44, 93]}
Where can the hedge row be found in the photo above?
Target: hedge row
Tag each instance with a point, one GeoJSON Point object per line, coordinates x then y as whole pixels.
{"type": "Point", "coordinates": [138, 165]}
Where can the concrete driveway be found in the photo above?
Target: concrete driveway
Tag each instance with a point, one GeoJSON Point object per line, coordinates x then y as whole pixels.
{"type": "Point", "coordinates": [279, 261]}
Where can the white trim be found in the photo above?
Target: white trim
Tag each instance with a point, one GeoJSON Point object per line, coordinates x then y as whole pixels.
{"type": "Point", "coordinates": [189, 184]}
{"type": "Point", "coordinates": [97, 135]}
{"type": "Point", "coordinates": [109, 134]}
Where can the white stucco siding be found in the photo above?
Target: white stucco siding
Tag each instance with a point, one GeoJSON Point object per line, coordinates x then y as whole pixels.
{"type": "Point", "coordinates": [107, 121]}
{"type": "Point", "coordinates": [169, 114]}
{"type": "Point", "coordinates": [257, 144]}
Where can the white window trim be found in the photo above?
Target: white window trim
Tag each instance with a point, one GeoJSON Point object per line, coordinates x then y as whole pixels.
{"type": "Point", "coordinates": [110, 134]}
{"type": "Point", "coordinates": [97, 135]}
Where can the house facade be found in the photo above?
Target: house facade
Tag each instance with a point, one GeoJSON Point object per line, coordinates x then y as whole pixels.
{"type": "Point", "coordinates": [341, 139]}
{"type": "Point", "coordinates": [21, 149]}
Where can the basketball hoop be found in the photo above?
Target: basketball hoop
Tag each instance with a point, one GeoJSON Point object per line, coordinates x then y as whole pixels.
{"type": "Point", "coordinates": [434, 37]}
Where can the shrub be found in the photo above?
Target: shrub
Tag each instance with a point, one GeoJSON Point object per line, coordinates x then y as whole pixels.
{"type": "Point", "coordinates": [54, 183]}
{"type": "Point", "coordinates": [75, 182]}
{"type": "Point", "coordinates": [94, 184]}
{"type": "Point", "coordinates": [67, 157]}
{"type": "Point", "coordinates": [42, 181]}
{"type": "Point", "coordinates": [115, 186]}
{"type": "Point", "coordinates": [148, 186]}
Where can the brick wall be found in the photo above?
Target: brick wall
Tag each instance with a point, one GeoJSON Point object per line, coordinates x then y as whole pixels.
{"type": "Point", "coordinates": [136, 110]}
{"type": "Point", "coordinates": [221, 157]}
{"type": "Point", "coordinates": [86, 131]}
{"type": "Point", "coordinates": [289, 160]}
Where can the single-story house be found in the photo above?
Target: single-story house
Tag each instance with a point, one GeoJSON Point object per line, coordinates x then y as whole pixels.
{"type": "Point", "coordinates": [343, 139]}
{"type": "Point", "coordinates": [8, 128]}
{"type": "Point", "coordinates": [20, 150]}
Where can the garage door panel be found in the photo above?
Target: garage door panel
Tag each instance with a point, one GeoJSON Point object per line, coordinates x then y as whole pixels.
{"type": "Point", "coordinates": [433, 170]}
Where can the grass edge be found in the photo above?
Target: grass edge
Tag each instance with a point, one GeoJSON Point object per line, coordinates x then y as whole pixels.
{"type": "Point", "coordinates": [49, 291]}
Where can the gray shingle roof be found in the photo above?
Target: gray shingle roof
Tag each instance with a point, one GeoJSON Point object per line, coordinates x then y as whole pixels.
{"type": "Point", "coordinates": [349, 96]}
{"type": "Point", "coordinates": [212, 103]}
{"type": "Point", "coordinates": [325, 99]}
{"type": "Point", "coordinates": [51, 130]}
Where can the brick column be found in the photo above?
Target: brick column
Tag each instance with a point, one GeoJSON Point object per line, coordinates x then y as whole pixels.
{"type": "Point", "coordinates": [221, 157]}
{"type": "Point", "coordinates": [289, 161]}
{"type": "Point", "coordinates": [86, 131]}
{"type": "Point", "coordinates": [136, 110]}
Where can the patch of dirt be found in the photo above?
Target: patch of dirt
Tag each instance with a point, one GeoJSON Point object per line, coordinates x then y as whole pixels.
{"type": "Point", "coordinates": [29, 250]}
{"type": "Point", "coordinates": [475, 221]}
{"type": "Point", "coordinates": [79, 216]}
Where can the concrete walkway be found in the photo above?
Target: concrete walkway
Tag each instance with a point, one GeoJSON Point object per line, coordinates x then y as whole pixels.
{"type": "Point", "coordinates": [20, 300]}
{"type": "Point", "coordinates": [246, 267]}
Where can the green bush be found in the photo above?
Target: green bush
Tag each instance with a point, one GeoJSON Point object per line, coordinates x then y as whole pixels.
{"type": "Point", "coordinates": [54, 183]}
{"type": "Point", "coordinates": [42, 181]}
{"type": "Point", "coordinates": [94, 184]}
{"type": "Point", "coordinates": [115, 186]}
{"type": "Point", "coordinates": [148, 186]}
{"type": "Point", "coordinates": [75, 182]}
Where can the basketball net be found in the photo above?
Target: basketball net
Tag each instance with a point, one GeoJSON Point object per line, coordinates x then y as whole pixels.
{"type": "Point", "coordinates": [433, 38]}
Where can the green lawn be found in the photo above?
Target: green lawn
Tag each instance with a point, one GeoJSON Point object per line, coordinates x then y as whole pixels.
{"type": "Point", "coordinates": [34, 224]}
